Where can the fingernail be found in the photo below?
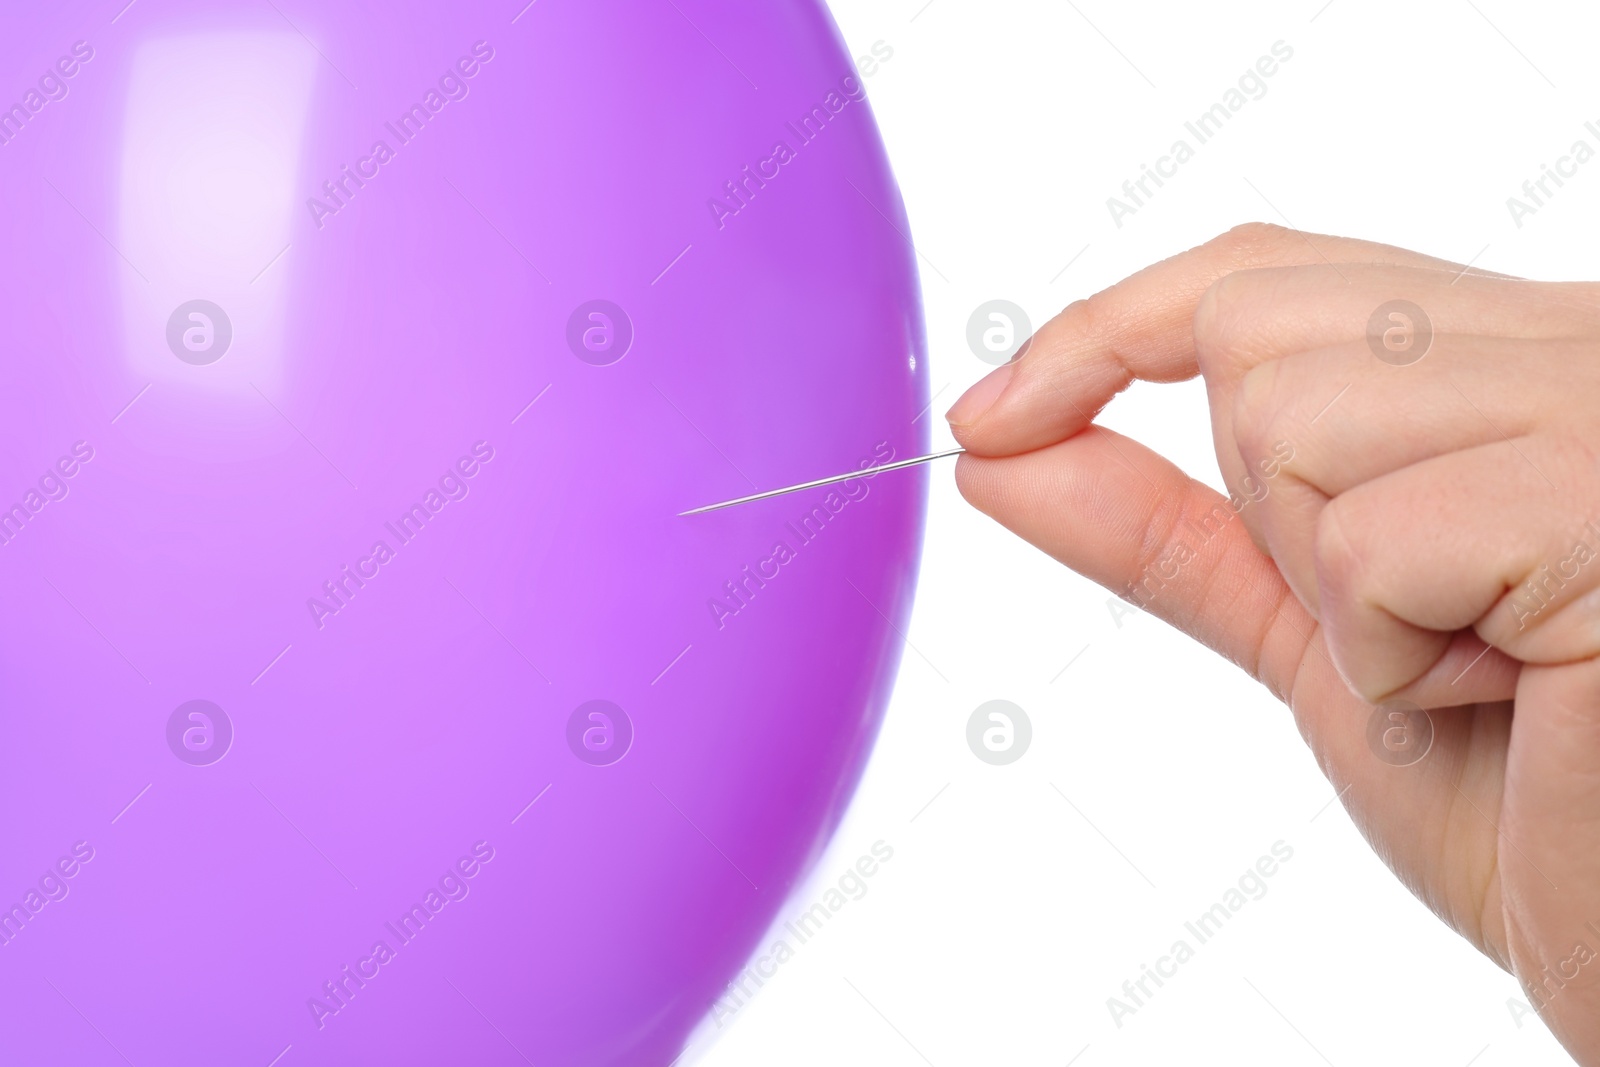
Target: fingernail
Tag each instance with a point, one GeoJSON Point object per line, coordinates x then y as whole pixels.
{"type": "Point", "coordinates": [980, 398]}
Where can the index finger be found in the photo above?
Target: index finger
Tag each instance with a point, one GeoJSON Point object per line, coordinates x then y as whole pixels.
{"type": "Point", "coordinates": [1139, 329]}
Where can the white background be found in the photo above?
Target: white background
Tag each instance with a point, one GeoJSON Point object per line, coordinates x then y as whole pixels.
{"type": "Point", "coordinates": [1020, 898]}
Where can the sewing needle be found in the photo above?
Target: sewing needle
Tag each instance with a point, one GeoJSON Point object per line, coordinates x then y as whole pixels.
{"type": "Point", "coordinates": [862, 473]}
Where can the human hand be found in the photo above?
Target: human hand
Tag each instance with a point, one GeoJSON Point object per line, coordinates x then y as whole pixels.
{"type": "Point", "coordinates": [1414, 515]}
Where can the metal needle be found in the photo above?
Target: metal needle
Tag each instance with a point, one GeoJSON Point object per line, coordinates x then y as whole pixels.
{"type": "Point", "coordinates": [862, 473]}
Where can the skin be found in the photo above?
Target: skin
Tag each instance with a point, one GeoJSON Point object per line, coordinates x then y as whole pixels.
{"type": "Point", "coordinates": [1388, 557]}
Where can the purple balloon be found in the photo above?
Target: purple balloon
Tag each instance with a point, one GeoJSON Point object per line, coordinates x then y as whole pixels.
{"type": "Point", "coordinates": [365, 699]}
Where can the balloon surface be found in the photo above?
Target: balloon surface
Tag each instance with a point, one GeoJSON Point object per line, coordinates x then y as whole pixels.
{"type": "Point", "coordinates": [363, 697]}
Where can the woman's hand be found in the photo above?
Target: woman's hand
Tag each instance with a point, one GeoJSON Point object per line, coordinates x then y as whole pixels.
{"type": "Point", "coordinates": [1414, 519]}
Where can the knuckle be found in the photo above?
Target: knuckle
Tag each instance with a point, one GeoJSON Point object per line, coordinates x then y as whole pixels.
{"type": "Point", "coordinates": [1252, 243]}
{"type": "Point", "coordinates": [1153, 549]}
{"type": "Point", "coordinates": [1090, 316]}
{"type": "Point", "coordinates": [1157, 532]}
{"type": "Point", "coordinates": [1080, 319]}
